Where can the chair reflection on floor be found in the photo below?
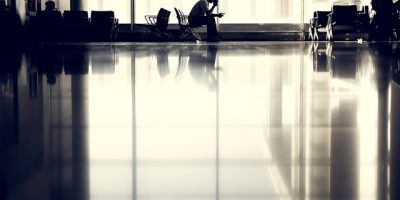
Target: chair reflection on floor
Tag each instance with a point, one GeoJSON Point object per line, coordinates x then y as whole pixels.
{"type": "Point", "coordinates": [159, 57]}
{"type": "Point", "coordinates": [343, 60]}
{"type": "Point", "coordinates": [162, 62]}
{"type": "Point", "coordinates": [182, 60]}
{"type": "Point", "coordinates": [76, 62]}
{"type": "Point", "coordinates": [103, 60]}
{"type": "Point", "coordinates": [320, 57]}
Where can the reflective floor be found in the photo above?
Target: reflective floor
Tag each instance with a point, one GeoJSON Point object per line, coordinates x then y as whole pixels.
{"type": "Point", "coordinates": [240, 120]}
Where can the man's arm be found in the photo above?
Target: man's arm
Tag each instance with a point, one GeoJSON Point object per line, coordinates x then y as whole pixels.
{"type": "Point", "coordinates": [215, 4]}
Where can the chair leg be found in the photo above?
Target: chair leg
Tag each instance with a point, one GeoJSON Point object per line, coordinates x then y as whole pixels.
{"type": "Point", "coordinates": [316, 37]}
{"type": "Point", "coordinates": [329, 33]}
{"type": "Point", "coordinates": [196, 35]}
{"type": "Point", "coordinates": [311, 33]}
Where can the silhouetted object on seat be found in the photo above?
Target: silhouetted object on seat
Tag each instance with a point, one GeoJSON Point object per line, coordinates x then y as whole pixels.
{"type": "Point", "coordinates": [10, 26]}
{"type": "Point", "coordinates": [186, 30]}
{"type": "Point", "coordinates": [50, 23]}
{"type": "Point", "coordinates": [342, 20]}
{"type": "Point", "coordinates": [318, 24]}
{"type": "Point", "coordinates": [76, 25]}
{"type": "Point", "coordinates": [50, 6]}
{"type": "Point", "coordinates": [201, 15]}
{"type": "Point", "coordinates": [384, 20]}
{"type": "Point", "coordinates": [158, 25]}
{"type": "Point", "coordinates": [103, 25]}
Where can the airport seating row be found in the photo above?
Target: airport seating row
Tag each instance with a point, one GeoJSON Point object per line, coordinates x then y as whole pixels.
{"type": "Point", "coordinates": [74, 26]}
{"type": "Point", "coordinates": [341, 20]}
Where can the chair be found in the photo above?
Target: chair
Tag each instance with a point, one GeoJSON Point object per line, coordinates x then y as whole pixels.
{"type": "Point", "coordinates": [76, 25]}
{"type": "Point", "coordinates": [158, 24]}
{"type": "Point", "coordinates": [318, 24]}
{"type": "Point", "coordinates": [50, 25]}
{"type": "Point", "coordinates": [103, 25]}
{"type": "Point", "coordinates": [185, 28]}
{"type": "Point", "coordinates": [342, 19]}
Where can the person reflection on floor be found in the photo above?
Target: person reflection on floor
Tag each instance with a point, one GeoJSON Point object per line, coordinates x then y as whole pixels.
{"type": "Point", "coordinates": [202, 66]}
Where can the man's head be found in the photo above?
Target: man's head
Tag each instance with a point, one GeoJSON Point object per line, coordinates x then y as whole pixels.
{"type": "Point", "coordinates": [50, 5]}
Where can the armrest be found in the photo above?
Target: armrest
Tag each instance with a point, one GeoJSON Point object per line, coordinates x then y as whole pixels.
{"type": "Point", "coordinates": [330, 19]}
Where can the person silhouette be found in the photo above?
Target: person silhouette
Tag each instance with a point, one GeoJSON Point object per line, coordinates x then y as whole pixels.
{"type": "Point", "coordinates": [50, 22]}
{"type": "Point", "coordinates": [10, 25]}
{"type": "Point", "coordinates": [202, 15]}
{"type": "Point", "coordinates": [382, 23]}
{"type": "Point", "coordinates": [50, 6]}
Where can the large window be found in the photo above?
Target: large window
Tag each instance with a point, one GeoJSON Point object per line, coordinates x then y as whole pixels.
{"type": "Point", "coordinates": [122, 8]}
{"type": "Point", "coordinates": [151, 7]}
{"type": "Point", "coordinates": [261, 11]}
{"type": "Point", "coordinates": [237, 12]}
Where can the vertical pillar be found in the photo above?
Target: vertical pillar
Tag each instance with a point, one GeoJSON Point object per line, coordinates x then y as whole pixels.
{"type": "Point", "coordinates": [77, 5]}
{"type": "Point", "coordinates": [394, 143]}
{"type": "Point", "coordinates": [79, 138]}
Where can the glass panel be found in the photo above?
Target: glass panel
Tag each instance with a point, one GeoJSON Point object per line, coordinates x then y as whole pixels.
{"type": "Point", "coordinates": [122, 8]}
{"type": "Point", "coordinates": [110, 127]}
{"type": "Point", "coordinates": [325, 5]}
{"type": "Point", "coordinates": [261, 11]}
{"type": "Point", "coordinates": [252, 11]}
{"type": "Point", "coordinates": [151, 7]}
{"type": "Point", "coordinates": [259, 95]}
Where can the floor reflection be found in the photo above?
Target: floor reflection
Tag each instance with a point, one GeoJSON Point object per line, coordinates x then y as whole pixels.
{"type": "Point", "coordinates": [247, 120]}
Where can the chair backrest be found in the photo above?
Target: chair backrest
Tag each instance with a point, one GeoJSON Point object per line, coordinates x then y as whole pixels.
{"type": "Point", "coordinates": [163, 19]}
{"type": "Point", "coordinates": [344, 14]}
{"type": "Point", "coordinates": [49, 19]}
{"type": "Point", "coordinates": [76, 17]}
{"type": "Point", "coordinates": [322, 18]}
{"type": "Point", "coordinates": [182, 20]}
{"type": "Point", "coordinates": [102, 18]}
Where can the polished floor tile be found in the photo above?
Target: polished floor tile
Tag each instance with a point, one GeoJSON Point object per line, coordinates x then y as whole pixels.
{"type": "Point", "coordinates": [229, 121]}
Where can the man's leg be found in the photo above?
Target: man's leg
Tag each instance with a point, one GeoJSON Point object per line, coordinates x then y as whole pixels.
{"type": "Point", "coordinates": [212, 33]}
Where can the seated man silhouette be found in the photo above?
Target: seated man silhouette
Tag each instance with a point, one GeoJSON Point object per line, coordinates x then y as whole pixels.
{"type": "Point", "coordinates": [50, 22]}
{"type": "Point", "coordinates": [202, 15]}
{"type": "Point", "coordinates": [10, 24]}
